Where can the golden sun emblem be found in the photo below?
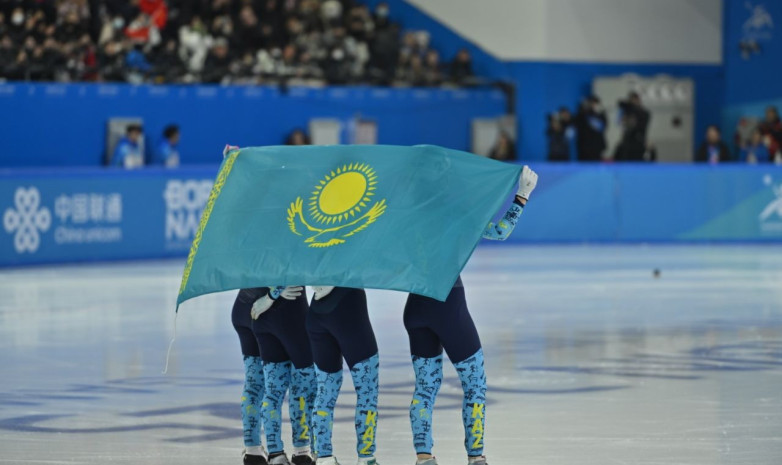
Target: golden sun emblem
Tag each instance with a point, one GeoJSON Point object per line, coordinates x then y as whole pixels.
{"type": "Point", "coordinates": [337, 204]}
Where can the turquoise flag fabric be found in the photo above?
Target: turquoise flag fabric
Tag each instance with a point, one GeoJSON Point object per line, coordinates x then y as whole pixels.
{"type": "Point", "coordinates": [383, 217]}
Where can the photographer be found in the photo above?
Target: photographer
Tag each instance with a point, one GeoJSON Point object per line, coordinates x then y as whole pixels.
{"type": "Point", "coordinates": [558, 146]}
{"type": "Point", "coordinates": [591, 124]}
{"type": "Point", "coordinates": [635, 124]}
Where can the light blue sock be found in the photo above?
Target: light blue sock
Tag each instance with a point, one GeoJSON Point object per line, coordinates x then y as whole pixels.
{"type": "Point", "coordinates": [428, 379]}
{"type": "Point", "coordinates": [278, 380]}
{"type": "Point", "coordinates": [301, 399]}
{"type": "Point", "coordinates": [473, 380]}
{"type": "Point", "coordinates": [329, 385]}
{"type": "Point", "coordinates": [251, 400]}
{"type": "Point", "coordinates": [365, 380]}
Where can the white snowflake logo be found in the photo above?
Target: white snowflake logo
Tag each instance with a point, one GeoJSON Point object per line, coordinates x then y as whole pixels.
{"type": "Point", "coordinates": [775, 207]}
{"type": "Point", "coordinates": [26, 219]}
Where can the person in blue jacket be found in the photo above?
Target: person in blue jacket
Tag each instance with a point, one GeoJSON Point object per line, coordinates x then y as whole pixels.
{"type": "Point", "coordinates": [168, 150]}
{"type": "Point", "coordinates": [757, 150]}
{"type": "Point", "coordinates": [128, 153]}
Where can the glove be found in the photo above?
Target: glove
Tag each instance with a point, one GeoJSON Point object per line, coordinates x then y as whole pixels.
{"type": "Point", "coordinates": [527, 182]}
{"type": "Point", "coordinates": [265, 303]}
{"type": "Point", "coordinates": [321, 291]}
{"type": "Point", "coordinates": [228, 148]}
{"type": "Point", "coordinates": [287, 293]}
{"type": "Point", "coordinates": [260, 306]}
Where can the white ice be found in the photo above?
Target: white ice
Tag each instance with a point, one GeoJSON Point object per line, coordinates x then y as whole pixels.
{"type": "Point", "coordinates": [590, 360]}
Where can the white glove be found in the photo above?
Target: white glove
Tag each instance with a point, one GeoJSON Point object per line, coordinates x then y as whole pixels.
{"type": "Point", "coordinates": [260, 306]}
{"type": "Point", "coordinates": [287, 293]}
{"type": "Point", "coordinates": [265, 303]}
{"type": "Point", "coordinates": [527, 182]}
{"type": "Point", "coordinates": [321, 291]}
{"type": "Point", "coordinates": [229, 148]}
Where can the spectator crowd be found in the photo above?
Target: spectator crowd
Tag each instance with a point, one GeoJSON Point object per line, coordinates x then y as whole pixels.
{"type": "Point", "coordinates": [307, 42]}
{"type": "Point", "coordinates": [760, 141]}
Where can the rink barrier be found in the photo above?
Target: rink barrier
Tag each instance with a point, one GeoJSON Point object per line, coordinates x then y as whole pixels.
{"type": "Point", "coordinates": [78, 215]}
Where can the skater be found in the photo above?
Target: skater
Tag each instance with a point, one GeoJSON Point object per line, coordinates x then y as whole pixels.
{"type": "Point", "coordinates": [338, 326]}
{"type": "Point", "coordinates": [254, 453]}
{"type": "Point", "coordinates": [433, 326]}
{"type": "Point", "coordinates": [279, 316]}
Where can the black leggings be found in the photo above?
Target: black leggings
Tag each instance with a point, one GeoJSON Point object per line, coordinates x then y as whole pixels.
{"type": "Point", "coordinates": [344, 331]}
{"type": "Point", "coordinates": [433, 325]}
{"type": "Point", "coordinates": [243, 322]}
{"type": "Point", "coordinates": [282, 334]}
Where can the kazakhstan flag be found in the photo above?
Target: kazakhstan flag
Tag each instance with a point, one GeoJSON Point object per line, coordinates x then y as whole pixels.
{"type": "Point", "coordinates": [384, 217]}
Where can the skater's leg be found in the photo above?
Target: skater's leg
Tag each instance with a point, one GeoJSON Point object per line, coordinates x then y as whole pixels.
{"type": "Point", "coordinates": [253, 390]}
{"type": "Point", "coordinates": [463, 346]}
{"type": "Point", "coordinates": [292, 331]}
{"type": "Point", "coordinates": [428, 379]}
{"type": "Point", "coordinates": [351, 327]}
{"type": "Point", "coordinates": [365, 381]}
{"type": "Point", "coordinates": [473, 378]}
{"type": "Point", "coordinates": [251, 404]}
{"type": "Point", "coordinates": [328, 373]}
{"type": "Point", "coordinates": [302, 397]}
{"type": "Point", "coordinates": [426, 353]}
{"type": "Point", "coordinates": [277, 375]}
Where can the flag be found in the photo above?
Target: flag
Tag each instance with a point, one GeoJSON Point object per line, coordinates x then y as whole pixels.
{"type": "Point", "coordinates": [383, 217]}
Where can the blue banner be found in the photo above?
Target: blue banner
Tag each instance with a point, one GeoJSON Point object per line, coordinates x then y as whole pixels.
{"type": "Point", "coordinates": [60, 216]}
{"type": "Point", "coordinates": [86, 215]}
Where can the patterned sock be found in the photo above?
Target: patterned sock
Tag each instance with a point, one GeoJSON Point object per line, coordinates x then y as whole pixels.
{"type": "Point", "coordinates": [365, 380]}
{"type": "Point", "coordinates": [428, 378]}
{"type": "Point", "coordinates": [251, 400]}
{"type": "Point", "coordinates": [278, 379]}
{"type": "Point", "coordinates": [302, 397]}
{"type": "Point", "coordinates": [329, 385]}
{"type": "Point", "coordinates": [473, 381]}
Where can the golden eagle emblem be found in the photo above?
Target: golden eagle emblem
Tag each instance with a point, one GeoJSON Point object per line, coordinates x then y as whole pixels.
{"type": "Point", "coordinates": [336, 207]}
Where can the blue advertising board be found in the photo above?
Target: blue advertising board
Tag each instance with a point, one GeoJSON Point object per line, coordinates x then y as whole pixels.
{"type": "Point", "coordinates": [85, 215]}
{"type": "Point", "coordinates": [76, 215]}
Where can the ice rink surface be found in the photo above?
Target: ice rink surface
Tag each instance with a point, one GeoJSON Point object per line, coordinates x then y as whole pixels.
{"type": "Point", "coordinates": [590, 360]}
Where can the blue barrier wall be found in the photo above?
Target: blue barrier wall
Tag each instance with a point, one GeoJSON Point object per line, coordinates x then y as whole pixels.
{"type": "Point", "coordinates": [65, 125]}
{"type": "Point", "coordinates": [84, 215]}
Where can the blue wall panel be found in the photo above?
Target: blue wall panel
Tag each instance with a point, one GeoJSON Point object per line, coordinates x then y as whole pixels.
{"type": "Point", "coordinates": [751, 82]}
{"type": "Point", "coordinates": [104, 214]}
{"type": "Point", "coordinates": [65, 125]}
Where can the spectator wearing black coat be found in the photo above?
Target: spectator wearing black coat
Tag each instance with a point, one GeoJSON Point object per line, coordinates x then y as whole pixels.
{"type": "Point", "coordinates": [248, 31]}
{"type": "Point", "coordinates": [713, 150]}
{"type": "Point", "coordinates": [772, 127]}
{"type": "Point", "coordinates": [166, 62]}
{"type": "Point", "coordinates": [558, 145]}
{"type": "Point", "coordinates": [591, 123]}
{"type": "Point", "coordinates": [218, 62]}
{"type": "Point", "coordinates": [461, 67]}
{"type": "Point", "coordinates": [635, 124]}
{"type": "Point", "coordinates": [7, 54]}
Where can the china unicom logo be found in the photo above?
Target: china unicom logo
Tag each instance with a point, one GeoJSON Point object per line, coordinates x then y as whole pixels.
{"type": "Point", "coordinates": [26, 220]}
